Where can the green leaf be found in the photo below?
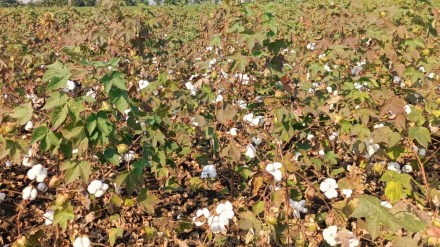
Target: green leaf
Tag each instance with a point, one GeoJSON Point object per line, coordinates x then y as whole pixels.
{"type": "Point", "coordinates": [394, 191]}
{"type": "Point", "coordinates": [113, 234]}
{"type": "Point", "coordinates": [76, 169]}
{"type": "Point", "coordinates": [62, 216]}
{"type": "Point", "coordinates": [147, 200]}
{"type": "Point", "coordinates": [130, 179]}
{"type": "Point", "coordinates": [39, 134]}
{"type": "Point", "coordinates": [59, 115]}
{"type": "Point", "coordinates": [57, 75]}
{"type": "Point", "coordinates": [249, 221]}
{"type": "Point", "coordinates": [23, 113]}
{"type": "Point", "coordinates": [420, 134]}
{"type": "Point", "coordinates": [376, 215]}
{"type": "Point", "coordinates": [56, 99]}
{"type": "Point", "coordinates": [112, 156]}
{"type": "Point", "coordinates": [116, 79]}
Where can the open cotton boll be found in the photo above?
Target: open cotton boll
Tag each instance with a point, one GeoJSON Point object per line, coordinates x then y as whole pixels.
{"type": "Point", "coordinates": [48, 217]}
{"type": "Point", "coordinates": [330, 234]}
{"type": "Point", "coordinates": [218, 225]}
{"type": "Point", "coordinates": [275, 170]}
{"type": "Point", "coordinates": [248, 117]}
{"type": "Point", "coordinates": [70, 85]}
{"type": "Point", "coordinates": [225, 210]}
{"type": "Point", "coordinates": [251, 152]}
{"type": "Point", "coordinates": [298, 207]}
{"type": "Point", "coordinates": [83, 241]}
{"type": "Point", "coordinates": [407, 169]}
{"type": "Point", "coordinates": [257, 121]}
{"type": "Point", "coordinates": [394, 166]}
{"type": "Point", "coordinates": [407, 109]}
{"type": "Point", "coordinates": [198, 220]}
{"type": "Point", "coordinates": [329, 186]}
{"type": "Point", "coordinates": [37, 172]}
{"type": "Point", "coordinates": [97, 188]}
{"type": "Point", "coordinates": [8, 163]}
{"type": "Point", "coordinates": [30, 193]}
{"type": "Point", "coordinates": [347, 192]}
{"type": "Point", "coordinates": [42, 187]}
{"type": "Point", "coordinates": [29, 126]}
{"type": "Point", "coordinates": [256, 140]}
{"type": "Point", "coordinates": [27, 161]}
{"type": "Point", "coordinates": [209, 171]}
{"type": "Point", "coordinates": [2, 196]}
{"type": "Point", "coordinates": [386, 204]}
{"type": "Point", "coordinates": [310, 137]}
{"type": "Point", "coordinates": [242, 104]}
{"type": "Point", "coordinates": [233, 131]}
{"type": "Point", "coordinates": [129, 156]}
{"type": "Point", "coordinates": [143, 84]}
{"type": "Point", "coordinates": [91, 93]}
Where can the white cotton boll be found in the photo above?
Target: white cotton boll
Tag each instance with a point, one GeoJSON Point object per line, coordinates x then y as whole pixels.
{"type": "Point", "coordinates": [75, 151]}
{"type": "Point", "coordinates": [333, 136]}
{"type": "Point", "coordinates": [233, 131]}
{"type": "Point", "coordinates": [99, 193]}
{"type": "Point", "coordinates": [248, 117]}
{"type": "Point", "coordinates": [8, 163]}
{"type": "Point", "coordinates": [327, 68]}
{"type": "Point", "coordinates": [143, 84]}
{"type": "Point", "coordinates": [347, 192]}
{"type": "Point", "coordinates": [83, 241]}
{"type": "Point", "coordinates": [321, 153]}
{"type": "Point", "coordinates": [378, 126]}
{"type": "Point", "coordinates": [37, 172]}
{"type": "Point", "coordinates": [70, 85]}
{"type": "Point", "coordinates": [94, 186]}
{"type": "Point", "coordinates": [42, 187]}
{"type": "Point", "coordinates": [225, 210]}
{"type": "Point", "coordinates": [329, 186]}
{"type": "Point", "coordinates": [422, 69]}
{"type": "Point", "coordinates": [329, 89]}
{"type": "Point", "coordinates": [407, 169]}
{"type": "Point", "coordinates": [257, 121]}
{"type": "Point", "coordinates": [310, 137]}
{"type": "Point", "coordinates": [201, 212]}
{"type": "Point", "coordinates": [251, 152]}
{"type": "Point", "coordinates": [407, 109]}
{"type": "Point", "coordinates": [311, 46]}
{"type": "Point", "coordinates": [242, 104]}
{"type": "Point", "coordinates": [129, 156]}
{"type": "Point", "coordinates": [386, 204]}
{"type": "Point", "coordinates": [2, 196]}
{"type": "Point", "coordinates": [422, 152]}
{"type": "Point", "coordinates": [29, 125]}
{"type": "Point", "coordinates": [396, 79]}
{"type": "Point", "coordinates": [431, 75]}
{"type": "Point", "coordinates": [91, 93]}
{"type": "Point", "coordinates": [298, 207]}
{"type": "Point", "coordinates": [330, 234]}
{"type": "Point", "coordinates": [394, 166]}
{"type": "Point", "coordinates": [48, 217]}
{"type": "Point", "coordinates": [275, 170]}
{"type": "Point", "coordinates": [218, 225]}
{"type": "Point", "coordinates": [27, 161]}
{"type": "Point", "coordinates": [209, 171]}
{"type": "Point", "coordinates": [30, 193]}
{"type": "Point", "coordinates": [209, 48]}
{"type": "Point", "coordinates": [256, 140]}
{"type": "Point", "coordinates": [219, 98]}
{"type": "Point", "coordinates": [296, 156]}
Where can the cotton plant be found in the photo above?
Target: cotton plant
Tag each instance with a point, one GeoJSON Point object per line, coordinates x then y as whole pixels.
{"type": "Point", "coordinates": [71, 85]}
{"type": "Point", "coordinates": [244, 78]}
{"type": "Point", "coordinates": [37, 173]}
{"type": "Point", "coordinates": [407, 169]}
{"type": "Point", "coordinates": [372, 148]}
{"type": "Point", "coordinates": [209, 171]}
{"type": "Point", "coordinates": [48, 217]}
{"type": "Point", "coordinates": [298, 207]}
{"type": "Point", "coordinates": [202, 215]}
{"type": "Point", "coordinates": [28, 161]}
{"type": "Point", "coordinates": [8, 163]}
{"type": "Point", "coordinates": [407, 109]}
{"type": "Point", "coordinates": [242, 104]}
{"type": "Point", "coordinates": [333, 136]}
{"type": "Point", "coordinates": [420, 151]}
{"type": "Point", "coordinates": [191, 88]}
{"type": "Point", "coordinates": [29, 193]}
{"type": "Point", "coordinates": [127, 157]}
{"type": "Point", "coordinates": [97, 188]}
{"type": "Point", "coordinates": [356, 70]}
{"type": "Point", "coordinates": [29, 126]}
{"type": "Point", "coordinates": [329, 186]}
{"type": "Point", "coordinates": [82, 241]}
{"type": "Point", "coordinates": [311, 46]}
{"type": "Point", "coordinates": [274, 169]}
{"type": "Point", "coordinates": [218, 223]}
{"type": "Point", "coordinates": [255, 121]}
